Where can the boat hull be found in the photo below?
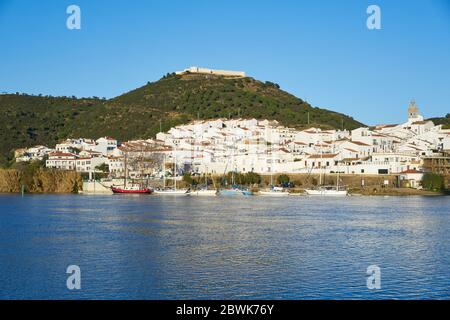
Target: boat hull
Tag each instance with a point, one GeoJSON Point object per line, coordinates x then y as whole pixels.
{"type": "Point", "coordinates": [330, 193]}
{"type": "Point", "coordinates": [131, 191]}
{"type": "Point", "coordinates": [230, 193]}
{"type": "Point", "coordinates": [172, 192]}
{"type": "Point", "coordinates": [201, 193]}
{"type": "Point", "coordinates": [273, 193]}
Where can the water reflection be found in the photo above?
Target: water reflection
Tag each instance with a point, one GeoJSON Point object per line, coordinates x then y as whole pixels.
{"type": "Point", "coordinates": [149, 247]}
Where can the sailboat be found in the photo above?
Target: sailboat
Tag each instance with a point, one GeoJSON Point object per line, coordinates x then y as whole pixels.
{"type": "Point", "coordinates": [323, 190]}
{"type": "Point", "coordinates": [273, 191]}
{"type": "Point", "coordinates": [204, 191]}
{"type": "Point", "coordinates": [129, 188]}
{"type": "Point", "coordinates": [171, 191]}
{"type": "Point", "coordinates": [235, 189]}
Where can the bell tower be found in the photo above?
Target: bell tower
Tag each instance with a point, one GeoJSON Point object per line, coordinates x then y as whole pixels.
{"type": "Point", "coordinates": [413, 111]}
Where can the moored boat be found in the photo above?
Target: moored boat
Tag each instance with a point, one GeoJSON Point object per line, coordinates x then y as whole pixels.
{"type": "Point", "coordinates": [131, 190]}
{"type": "Point", "coordinates": [235, 192]}
{"type": "Point", "coordinates": [327, 191]}
{"type": "Point", "coordinates": [204, 192]}
{"type": "Point", "coordinates": [172, 192]}
{"type": "Point", "coordinates": [274, 192]}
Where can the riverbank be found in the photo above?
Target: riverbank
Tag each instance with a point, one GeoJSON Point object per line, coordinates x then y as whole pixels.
{"type": "Point", "coordinates": [39, 180]}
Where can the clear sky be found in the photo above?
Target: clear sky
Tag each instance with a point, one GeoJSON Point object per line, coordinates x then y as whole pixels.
{"type": "Point", "coordinates": [320, 50]}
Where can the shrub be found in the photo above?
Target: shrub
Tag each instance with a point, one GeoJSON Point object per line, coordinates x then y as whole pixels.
{"type": "Point", "coordinates": [188, 178]}
{"type": "Point", "coordinates": [433, 182]}
{"type": "Point", "coordinates": [283, 178]}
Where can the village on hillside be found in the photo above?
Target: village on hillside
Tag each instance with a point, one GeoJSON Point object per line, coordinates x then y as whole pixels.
{"type": "Point", "coordinates": [265, 147]}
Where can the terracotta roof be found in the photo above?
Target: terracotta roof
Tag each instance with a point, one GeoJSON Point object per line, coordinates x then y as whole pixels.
{"type": "Point", "coordinates": [323, 156]}
{"type": "Point", "coordinates": [61, 154]}
{"type": "Point", "coordinates": [359, 143]}
{"type": "Point", "coordinates": [410, 171]}
{"type": "Point", "coordinates": [351, 159]}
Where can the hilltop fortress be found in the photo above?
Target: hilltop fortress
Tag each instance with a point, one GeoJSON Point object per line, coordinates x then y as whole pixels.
{"type": "Point", "coordinates": [226, 73]}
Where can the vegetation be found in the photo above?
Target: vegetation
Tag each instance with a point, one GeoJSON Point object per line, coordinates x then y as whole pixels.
{"type": "Point", "coordinates": [188, 179]}
{"type": "Point", "coordinates": [283, 178]}
{"type": "Point", "coordinates": [102, 167]}
{"type": "Point", "coordinates": [445, 121]}
{"type": "Point", "coordinates": [33, 178]}
{"type": "Point", "coordinates": [30, 120]}
{"type": "Point", "coordinates": [249, 178]}
{"type": "Point", "coordinates": [433, 182]}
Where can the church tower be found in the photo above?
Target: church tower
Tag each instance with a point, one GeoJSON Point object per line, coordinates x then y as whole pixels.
{"type": "Point", "coordinates": [413, 112]}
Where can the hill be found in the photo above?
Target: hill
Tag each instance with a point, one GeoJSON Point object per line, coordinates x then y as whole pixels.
{"type": "Point", "coordinates": [445, 121]}
{"type": "Point", "coordinates": [30, 120]}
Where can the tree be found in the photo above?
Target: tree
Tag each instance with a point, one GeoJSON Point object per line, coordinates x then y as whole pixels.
{"type": "Point", "coordinates": [433, 182]}
{"type": "Point", "coordinates": [188, 178]}
{"type": "Point", "coordinates": [283, 178]}
{"type": "Point", "coordinates": [252, 178]}
{"type": "Point", "coordinates": [102, 167]}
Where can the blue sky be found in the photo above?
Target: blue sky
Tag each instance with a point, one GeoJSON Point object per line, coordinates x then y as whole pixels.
{"type": "Point", "coordinates": [319, 50]}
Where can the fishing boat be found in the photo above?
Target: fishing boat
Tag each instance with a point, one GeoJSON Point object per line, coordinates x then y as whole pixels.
{"type": "Point", "coordinates": [131, 189]}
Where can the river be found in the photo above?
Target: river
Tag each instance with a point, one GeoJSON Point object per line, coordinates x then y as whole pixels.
{"type": "Point", "coordinates": [154, 247]}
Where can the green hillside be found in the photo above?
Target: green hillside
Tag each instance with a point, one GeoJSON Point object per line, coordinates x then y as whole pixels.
{"type": "Point", "coordinates": [445, 121]}
{"type": "Point", "coordinates": [30, 120]}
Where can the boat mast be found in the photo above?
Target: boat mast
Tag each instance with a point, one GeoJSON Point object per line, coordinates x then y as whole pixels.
{"type": "Point", "coordinates": [321, 171]}
{"type": "Point", "coordinates": [164, 171]}
{"type": "Point", "coordinates": [126, 171]}
{"type": "Point", "coordinates": [175, 171]}
{"type": "Point", "coordinates": [271, 154]}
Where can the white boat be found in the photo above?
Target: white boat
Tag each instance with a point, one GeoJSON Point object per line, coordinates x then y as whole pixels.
{"type": "Point", "coordinates": [203, 192]}
{"type": "Point", "coordinates": [326, 191]}
{"type": "Point", "coordinates": [274, 192]}
{"type": "Point", "coordinates": [332, 191]}
{"type": "Point", "coordinates": [235, 192]}
{"type": "Point", "coordinates": [173, 192]}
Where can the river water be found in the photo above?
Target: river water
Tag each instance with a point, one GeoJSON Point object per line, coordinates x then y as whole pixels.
{"type": "Point", "coordinates": [154, 247]}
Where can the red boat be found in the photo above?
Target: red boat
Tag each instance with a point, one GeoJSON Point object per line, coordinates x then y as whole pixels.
{"type": "Point", "coordinates": [131, 189]}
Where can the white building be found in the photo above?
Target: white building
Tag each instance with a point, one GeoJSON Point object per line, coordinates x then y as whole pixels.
{"type": "Point", "coordinates": [199, 70]}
